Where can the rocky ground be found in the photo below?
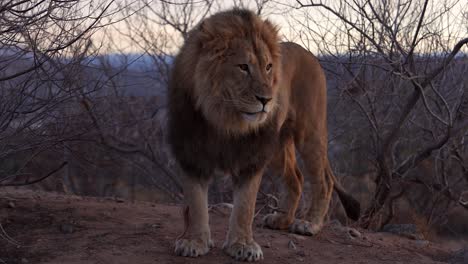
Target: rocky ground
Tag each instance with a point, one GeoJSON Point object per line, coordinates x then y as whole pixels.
{"type": "Point", "coordinates": [39, 227]}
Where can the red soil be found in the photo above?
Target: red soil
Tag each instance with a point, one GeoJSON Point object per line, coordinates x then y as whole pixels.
{"type": "Point", "coordinates": [53, 228]}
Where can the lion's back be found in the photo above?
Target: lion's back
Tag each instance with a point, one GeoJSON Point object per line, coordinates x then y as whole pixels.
{"type": "Point", "coordinates": [303, 81]}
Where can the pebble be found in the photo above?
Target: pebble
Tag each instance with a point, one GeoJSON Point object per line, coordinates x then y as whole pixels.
{"type": "Point", "coordinates": [421, 243]}
{"type": "Point", "coordinates": [291, 245]}
{"type": "Point", "coordinates": [407, 230]}
{"type": "Point", "coordinates": [11, 204]}
{"type": "Point", "coordinates": [354, 233]}
{"type": "Point", "coordinates": [335, 224]}
{"type": "Point", "coordinates": [460, 257]}
{"type": "Point", "coordinates": [66, 228]}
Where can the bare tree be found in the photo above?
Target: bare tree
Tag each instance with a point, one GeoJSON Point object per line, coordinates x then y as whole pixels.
{"type": "Point", "coordinates": [396, 59]}
{"type": "Point", "coordinates": [43, 46]}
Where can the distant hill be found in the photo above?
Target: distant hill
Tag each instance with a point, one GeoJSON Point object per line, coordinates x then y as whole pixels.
{"type": "Point", "coordinates": [132, 74]}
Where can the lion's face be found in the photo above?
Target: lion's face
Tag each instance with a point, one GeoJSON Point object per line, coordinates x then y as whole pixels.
{"type": "Point", "coordinates": [238, 92]}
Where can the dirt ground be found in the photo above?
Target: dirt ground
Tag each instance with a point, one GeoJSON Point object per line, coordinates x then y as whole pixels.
{"type": "Point", "coordinates": [39, 227]}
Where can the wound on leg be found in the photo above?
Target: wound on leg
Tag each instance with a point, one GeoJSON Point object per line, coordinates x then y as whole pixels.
{"type": "Point", "coordinates": [186, 217]}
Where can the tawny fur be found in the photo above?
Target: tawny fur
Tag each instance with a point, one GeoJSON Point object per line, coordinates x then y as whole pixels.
{"type": "Point", "coordinates": [211, 125]}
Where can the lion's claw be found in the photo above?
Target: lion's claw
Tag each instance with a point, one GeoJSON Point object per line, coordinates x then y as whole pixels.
{"type": "Point", "coordinates": [192, 247]}
{"type": "Point", "coordinates": [244, 252]}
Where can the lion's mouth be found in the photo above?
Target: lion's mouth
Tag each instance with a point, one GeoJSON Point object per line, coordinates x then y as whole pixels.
{"type": "Point", "coordinates": [259, 116]}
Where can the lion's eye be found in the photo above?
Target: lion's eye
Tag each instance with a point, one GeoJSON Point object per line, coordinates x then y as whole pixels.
{"type": "Point", "coordinates": [268, 67]}
{"type": "Point", "coordinates": [244, 67]}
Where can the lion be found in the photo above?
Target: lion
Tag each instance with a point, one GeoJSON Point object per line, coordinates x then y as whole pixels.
{"type": "Point", "coordinates": [241, 102]}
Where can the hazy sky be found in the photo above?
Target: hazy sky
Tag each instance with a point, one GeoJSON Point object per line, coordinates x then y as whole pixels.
{"type": "Point", "coordinates": [307, 26]}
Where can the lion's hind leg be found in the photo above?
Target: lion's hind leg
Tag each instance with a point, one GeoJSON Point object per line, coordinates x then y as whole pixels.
{"type": "Point", "coordinates": [293, 180]}
{"type": "Point", "coordinates": [314, 155]}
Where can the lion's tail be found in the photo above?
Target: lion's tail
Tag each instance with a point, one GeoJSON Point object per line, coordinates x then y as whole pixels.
{"type": "Point", "coordinates": [351, 205]}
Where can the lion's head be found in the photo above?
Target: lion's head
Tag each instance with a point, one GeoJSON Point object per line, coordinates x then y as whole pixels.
{"type": "Point", "coordinates": [236, 71]}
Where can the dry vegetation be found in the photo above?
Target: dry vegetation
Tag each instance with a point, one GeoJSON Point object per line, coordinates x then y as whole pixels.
{"type": "Point", "coordinates": [77, 121]}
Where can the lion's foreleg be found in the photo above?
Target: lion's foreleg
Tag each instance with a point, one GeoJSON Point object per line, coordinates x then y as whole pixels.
{"type": "Point", "coordinates": [239, 242]}
{"type": "Point", "coordinates": [196, 240]}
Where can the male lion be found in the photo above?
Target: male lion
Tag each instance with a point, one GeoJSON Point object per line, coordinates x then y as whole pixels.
{"type": "Point", "coordinates": [239, 101]}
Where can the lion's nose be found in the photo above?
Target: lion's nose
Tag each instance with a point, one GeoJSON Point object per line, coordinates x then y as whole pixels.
{"type": "Point", "coordinates": [263, 99]}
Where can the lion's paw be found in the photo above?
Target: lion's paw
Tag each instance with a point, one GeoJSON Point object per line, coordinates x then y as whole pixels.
{"type": "Point", "coordinates": [192, 247]}
{"type": "Point", "coordinates": [250, 251]}
{"type": "Point", "coordinates": [303, 227]}
{"type": "Point", "coordinates": [276, 221]}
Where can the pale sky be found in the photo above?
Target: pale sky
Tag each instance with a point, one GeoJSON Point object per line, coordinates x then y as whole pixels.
{"type": "Point", "coordinates": [311, 27]}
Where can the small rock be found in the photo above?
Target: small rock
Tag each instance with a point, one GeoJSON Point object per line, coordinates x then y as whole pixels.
{"type": "Point", "coordinates": [291, 245]}
{"type": "Point", "coordinates": [459, 257]}
{"type": "Point", "coordinates": [11, 204]}
{"type": "Point", "coordinates": [119, 200]}
{"type": "Point", "coordinates": [24, 260]}
{"type": "Point", "coordinates": [67, 228]}
{"type": "Point", "coordinates": [400, 229]}
{"type": "Point", "coordinates": [335, 224]}
{"type": "Point", "coordinates": [267, 245]}
{"type": "Point", "coordinates": [406, 230]}
{"type": "Point", "coordinates": [421, 243]}
{"type": "Point", "coordinates": [228, 205]}
{"type": "Point", "coordinates": [353, 233]}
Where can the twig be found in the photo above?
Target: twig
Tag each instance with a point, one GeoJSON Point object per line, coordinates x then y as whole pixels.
{"type": "Point", "coordinates": [259, 210]}
{"type": "Point", "coordinates": [5, 236]}
{"type": "Point", "coordinates": [268, 197]}
{"type": "Point", "coordinates": [37, 180]}
{"type": "Point", "coordinates": [350, 244]}
{"type": "Point", "coordinates": [418, 28]}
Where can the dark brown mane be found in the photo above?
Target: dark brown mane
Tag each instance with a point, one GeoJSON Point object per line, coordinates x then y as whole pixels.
{"type": "Point", "coordinates": [190, 132]}
{"type": "Point", "coordinates": [216, 32]}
